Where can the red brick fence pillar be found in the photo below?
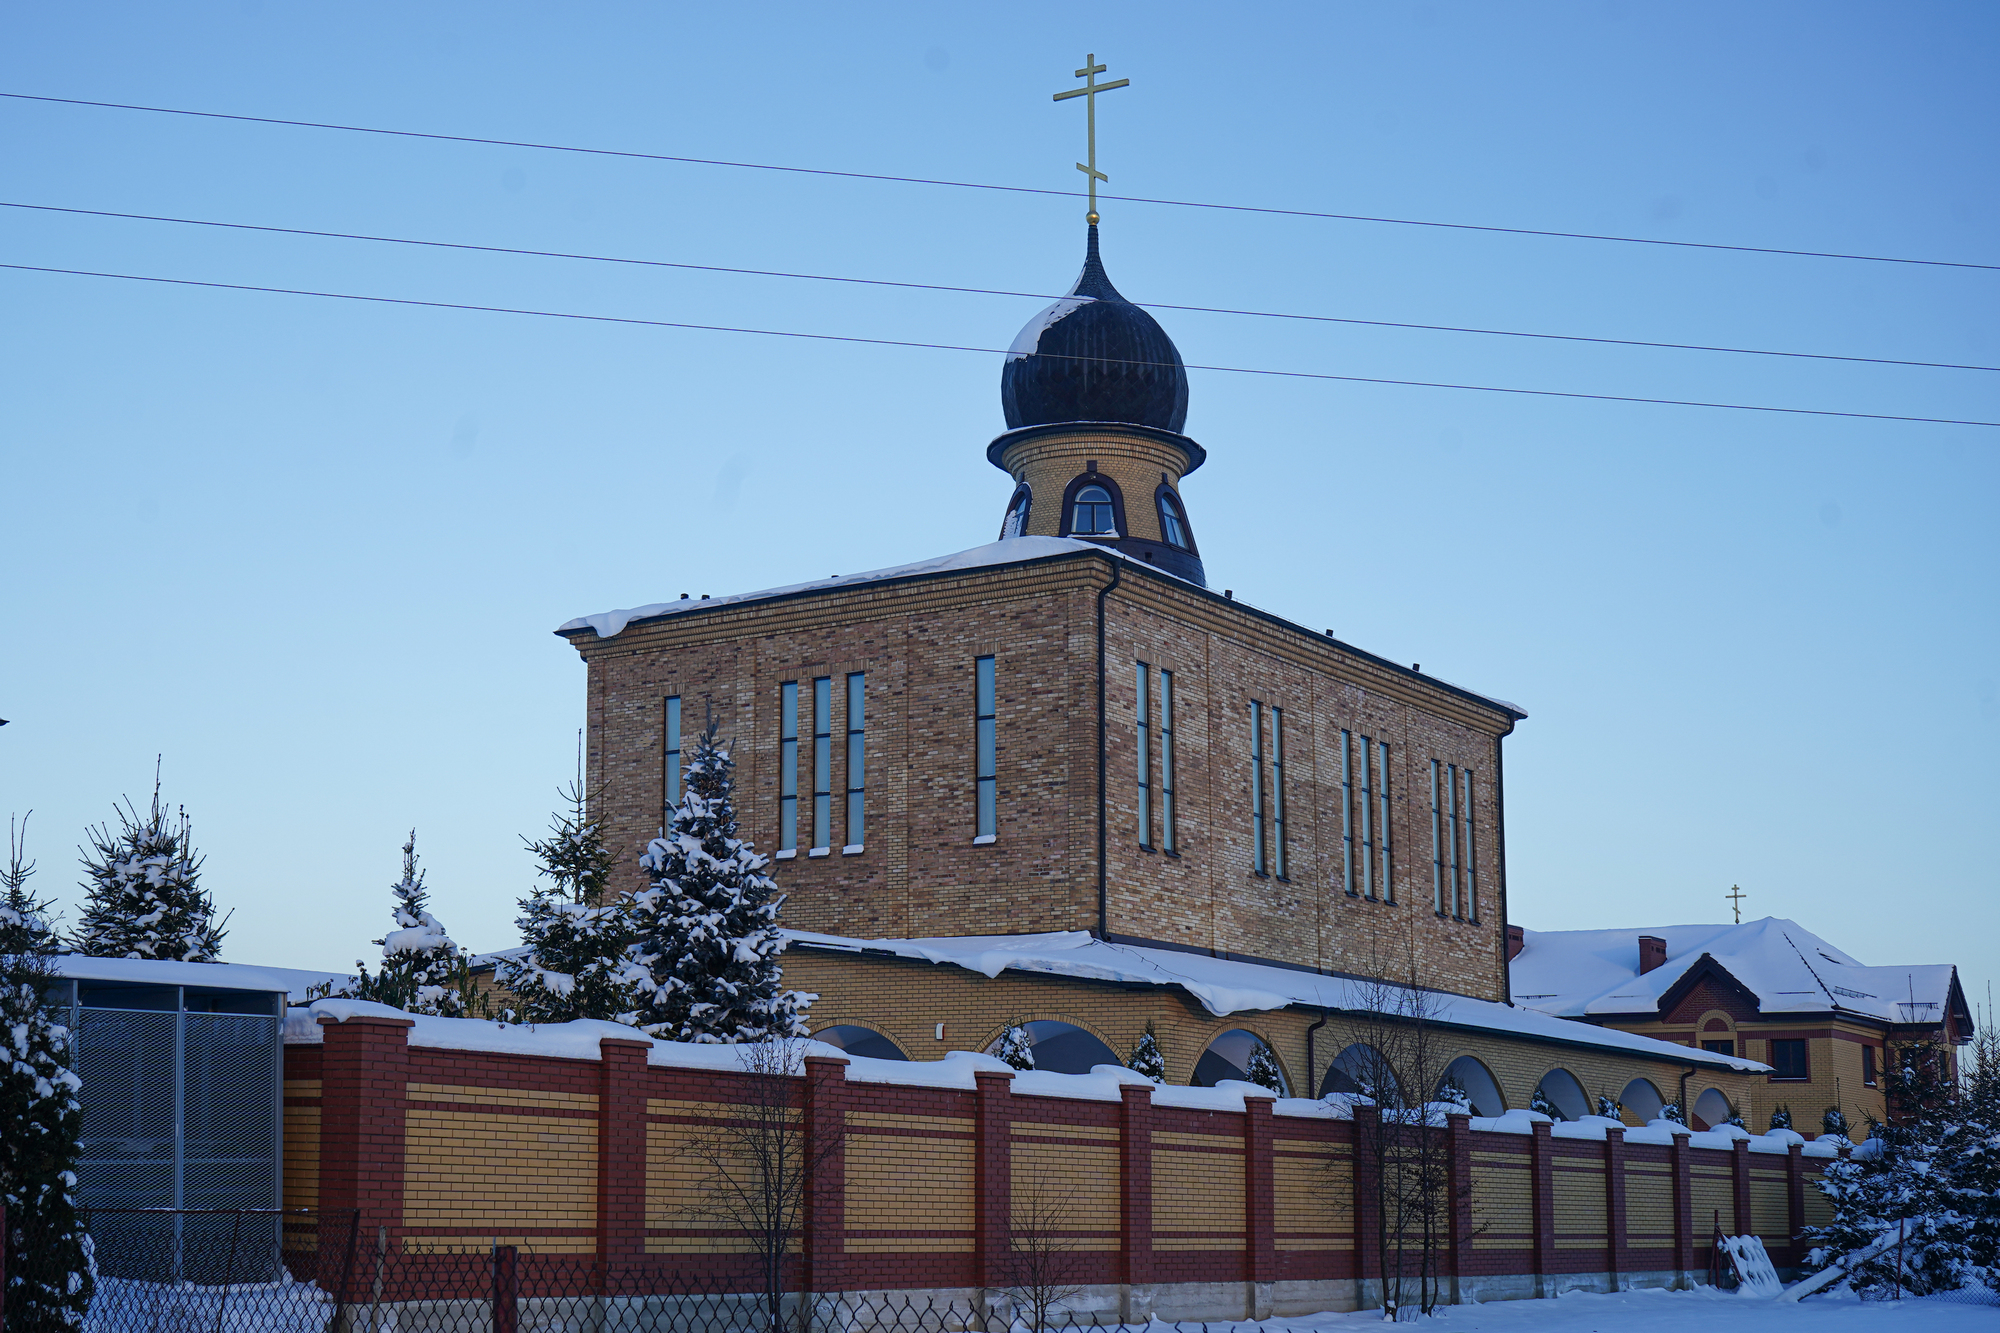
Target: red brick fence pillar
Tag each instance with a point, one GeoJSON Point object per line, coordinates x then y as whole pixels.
{"type": "Point", "coordinates": [365, 1073]}
{"type": "Point", "coordinates": [993, 1186]}
{"type": "Point", "coordinates": [621, 1154]}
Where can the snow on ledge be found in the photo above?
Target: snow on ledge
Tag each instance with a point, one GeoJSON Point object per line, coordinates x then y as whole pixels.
{"type": "Point", "coordinates": [1010, 551]}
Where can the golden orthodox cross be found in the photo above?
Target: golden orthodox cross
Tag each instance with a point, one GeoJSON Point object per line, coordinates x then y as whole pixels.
{"type": "Point", "coordinates": [1736, 896]}
{"type": "Point", "coordinates": [1091, 88]}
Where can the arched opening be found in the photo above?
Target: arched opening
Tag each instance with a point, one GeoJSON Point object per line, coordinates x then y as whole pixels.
{"type": "Point", "coordinates": [1016, 522]}
{"type": "Point", "coordinates": [1064, 1048]}
{"type": "Point", "coordinates": [1092, 514]}
{"type": "Point", "coordinates": [1362, 1071]}
{"type": "Point", "coordinates": [1560, 1095]}
{"type": "Point", "coordinates": [1711, 1109]}
{"type": "Point", "coordinates": [1229, 1056]}
{"type": "Point", "coordinates": [858, 1040]}
{"type": "Point", "coordinates": [1481, 1090]}
{"type": "Point", "coordinates": [1174, 528]}
{"type": "Point", "coordinates": [1642, 1101]}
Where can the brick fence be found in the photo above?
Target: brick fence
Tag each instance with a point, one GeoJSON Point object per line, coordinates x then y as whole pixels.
{"type": "Point", "coordinates": [1181, 1210]}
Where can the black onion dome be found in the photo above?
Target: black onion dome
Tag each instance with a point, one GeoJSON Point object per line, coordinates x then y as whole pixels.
{"type": "Point", "coordinates": [1094, 356]}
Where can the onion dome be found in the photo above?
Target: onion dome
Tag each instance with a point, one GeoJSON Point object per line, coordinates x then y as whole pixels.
{"type": "Point", "coordinates": [1094, 356]}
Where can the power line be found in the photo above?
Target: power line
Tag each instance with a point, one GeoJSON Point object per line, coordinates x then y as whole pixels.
{"type": "Point", "coordinates": [979, 291]}
{"type": "Point", "coordinates": [992, 351]}
{"type": "Point", "coordinates": [981, 185]}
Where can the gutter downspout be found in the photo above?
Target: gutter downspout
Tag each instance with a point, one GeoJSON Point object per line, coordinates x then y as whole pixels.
{"type": "Point", "coordinates": [1103, 794]}
{"type": "Point", "coordinates": [1324, 1014]}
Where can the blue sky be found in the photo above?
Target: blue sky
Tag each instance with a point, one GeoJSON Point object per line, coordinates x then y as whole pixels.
{"type": "Point", "coordinates": [311, 551]}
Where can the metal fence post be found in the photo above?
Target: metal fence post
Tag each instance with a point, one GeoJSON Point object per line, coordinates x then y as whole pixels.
{"type": "Point", "coordinates": [506, 1290]}
{"type": "Point", "coordinates": [375, 1300]}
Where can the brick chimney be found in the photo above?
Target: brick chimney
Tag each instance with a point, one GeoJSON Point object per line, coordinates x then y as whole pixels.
{"type": "Point", "coordinates": [1652, 953]}
{"type": "Point", "coordinates": [1515, 942]}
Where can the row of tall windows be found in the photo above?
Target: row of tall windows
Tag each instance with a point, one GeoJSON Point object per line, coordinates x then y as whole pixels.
{"type": "Point", "coordinates": [1454, 848]}
{"type": "Point", "coordinates": [1364, 818]}
{"type": "Point", "coordinates": [1267, 788]}
{"type": "Point", "coordinates": [822, 764]}
{"type": "Point", "coordinates": [1156, 786]}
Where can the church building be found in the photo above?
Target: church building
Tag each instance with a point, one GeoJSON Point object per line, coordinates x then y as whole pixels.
{"type": "Point", "coordinates": [1062, 781]}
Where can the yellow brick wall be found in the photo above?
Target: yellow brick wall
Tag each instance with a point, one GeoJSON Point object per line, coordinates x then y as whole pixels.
{"type": "Point", "coordinates": [1649, 1204]}
{"type": "Point", "coordinates": [898, 1179]}
{"type": "Point", "coordinates": [1197, 1191]}
{"type": "Point", "coordinates": [301, 1166]}
{"type": "Point", "coordinates": [499, 1173]}
{"type": "Point", "coordinates": [1312, 1195]}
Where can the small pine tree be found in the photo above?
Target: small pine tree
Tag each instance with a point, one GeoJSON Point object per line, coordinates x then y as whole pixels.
{"type": "Point", "coordinates": [1015, 1049]}
{"type": "Point", "coordinates": [705, 935]}
{"type": "Point", "coordinates": [143, 890]}
{"type": "Point", "coordinates": [1928, 1181]}
{"type": "Point", "coordinates": [1453, 1096]}
{"type": "Point", "coordinates": [1834, 1121]}
{"type": "Point", "coordinates": [1672, 1111]}
{"type": "Point", "coordinates": [42, 1118]}
{"type": "Point", "coordinates": [1146, 1057]}
{"type": "Point", "coordinates": [1781, 1117]}
{"type": "Point", "coordinates": [1263, 1070]}
{"type": "Point", "coordinates": [1540, 1104]}
{"type": "Point", "coordinates": [1610, 1107]}
{"type": "Point", "coordinates": [423, 970]}
{"type": "Point", "coordinates": [575, 966]}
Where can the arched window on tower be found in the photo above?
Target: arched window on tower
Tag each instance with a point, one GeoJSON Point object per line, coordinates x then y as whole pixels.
{"type": "Point", "coordinates": [1092, 513]}
{"type": "Point", "coordinates": [1173, 522]}
{"type": "Point", "coordinates": [1016, 522]}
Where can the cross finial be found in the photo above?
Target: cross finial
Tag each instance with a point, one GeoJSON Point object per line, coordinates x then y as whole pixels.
{"type": "Point", "coordinates": [1736, 896]}
{"type": "Point", "coordinates": [1091, 88]}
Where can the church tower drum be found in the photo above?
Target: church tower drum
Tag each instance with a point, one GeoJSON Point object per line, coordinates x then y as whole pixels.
{"type": "Point", "coordinates": [1095, 396]}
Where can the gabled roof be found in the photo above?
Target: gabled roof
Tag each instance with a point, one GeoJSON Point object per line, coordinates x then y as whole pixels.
{"type": "Point", "coordinates": [1780, 966]}
{"type": "Point", "coordinates": [1226, 986]}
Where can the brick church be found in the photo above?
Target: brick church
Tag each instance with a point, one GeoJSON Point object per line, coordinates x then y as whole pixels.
{"type": "Point", "coordinates": [1059, 780]}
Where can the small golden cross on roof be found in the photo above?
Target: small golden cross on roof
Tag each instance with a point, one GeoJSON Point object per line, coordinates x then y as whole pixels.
{"type": "Point", "coordinates": [1736, 896]}
{"type": "Point", "coordinates": [1091, 88]}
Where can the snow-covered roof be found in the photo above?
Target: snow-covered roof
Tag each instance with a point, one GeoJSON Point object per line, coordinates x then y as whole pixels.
{"type": "Point", "coordinates": [1224, 986]}
{"type": "Point", "coordinates": [1595, 973]}
{"type": "Point", "coordinates": [217, 976]}
{"type": "Point", "coordinates": [1007, 551]}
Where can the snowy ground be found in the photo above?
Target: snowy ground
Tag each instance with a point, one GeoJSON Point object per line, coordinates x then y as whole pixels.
{"type": "Point", "coordinates": [1657, 1311]}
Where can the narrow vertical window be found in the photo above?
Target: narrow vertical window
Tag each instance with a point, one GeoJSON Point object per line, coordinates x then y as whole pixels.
{"type": "Point", "coordinates": [1347, 813]}
{"type": "Point", "coordinates": [1145, 736]}
{"type": "Point", "coordinates": [1257, 786]}
{"type": "Point", "coordinates": [987, 816]}
{"type": "Point", "coordinates": [1452, 828]}
{"type": "Point", "coordinates": [671, 743]}
{"type": "Point", "coordinates": [1437, 845]}
{"type": "Point", "coordinates": [857, 758]}
{"type": "Point", "coordinates": [788, 766]}
{"type": "Point", "coordinates": [1167, 843]}
{"type": "Point", "coordinates": [1471, 855]}
{"type": "Point", "coordinates": [1382, 819]}
{"type": "Point", "coordinates": [1278, 789]}
{"type": "Point", "coordinates": [1366, 800]}
{"type": "Point", "coordinates": [822, 764]}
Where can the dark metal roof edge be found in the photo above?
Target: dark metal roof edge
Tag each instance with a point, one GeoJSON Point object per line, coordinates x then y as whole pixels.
{"type": "Point", "coordinates": [1196, 455]}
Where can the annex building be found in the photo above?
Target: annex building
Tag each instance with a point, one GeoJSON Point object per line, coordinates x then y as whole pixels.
{"type": "Point", "coordinates": [1060, 780]}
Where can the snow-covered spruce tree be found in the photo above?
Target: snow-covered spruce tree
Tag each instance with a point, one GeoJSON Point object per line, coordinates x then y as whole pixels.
{"type": "Point", "coordinates": [575, 966]}
{"type": "Point", "coordinates": [1907, 1187]}
{"type": "Point", "coordinates": [1781, 1117]}
{"type": "Point", "coordinates": [423, 970]}
{"type": "Point", "coordinates": [1975, 1179]}
{"type": "Point", "coordinates": [1833, 1121]}
{"type": "Point", "coordinates": [705, 937]}
{"type": "Point", "coordinates": [1263, 1070]}
{"type": "Point", "coordinates": [1015, 1049]}
{"type": "Point", "coordinates": [49, 1276]}
{"type": "Point", "coordinates": [1146, 1057]}
{"type": "Point", "coordinates": [1672, 1111]}
{"type": "Point", "coordinates": [143, 890]}
{"type": "Point", "coordinates": [1610, 1107]}
{"type": "Point", "coordinates": [1540, 1104]}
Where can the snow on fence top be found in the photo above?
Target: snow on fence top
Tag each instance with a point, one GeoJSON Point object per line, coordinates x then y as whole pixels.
{"type": "Point", "coordinates": [1227, 987]}
{"type": "Point", "coordinates": [959, 1070]}
{"type": "Point", "coordinates": [213, 976]}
